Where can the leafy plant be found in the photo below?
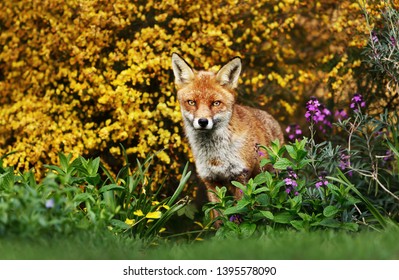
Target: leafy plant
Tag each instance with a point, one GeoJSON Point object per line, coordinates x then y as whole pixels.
{"type": "Point", "coordinates": [286, 198]}
{"type": "Point", "coordinates": [141, 213]}
{"type": "Point", "coordinates": [343, 182]}
{"type": "Point", "coordinates": [82, 194]}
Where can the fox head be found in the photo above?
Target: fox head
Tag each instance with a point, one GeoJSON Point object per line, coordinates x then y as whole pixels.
{"type": "Point", "coordinates": [206, 98]}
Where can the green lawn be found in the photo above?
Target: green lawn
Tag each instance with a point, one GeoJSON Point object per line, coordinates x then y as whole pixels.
{"type": "Point", "coordinates": [289, 245]}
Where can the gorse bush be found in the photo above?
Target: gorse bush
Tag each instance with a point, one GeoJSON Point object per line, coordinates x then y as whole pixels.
{"type": "Point", "coordinates": [81, 77]}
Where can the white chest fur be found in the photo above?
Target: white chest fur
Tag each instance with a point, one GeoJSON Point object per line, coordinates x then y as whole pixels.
{"type": "Point", "coordinates": [216, 153]}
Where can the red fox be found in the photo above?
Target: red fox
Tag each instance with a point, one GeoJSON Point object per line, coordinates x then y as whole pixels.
{"type": "Point", "coordinates": [224, 137]}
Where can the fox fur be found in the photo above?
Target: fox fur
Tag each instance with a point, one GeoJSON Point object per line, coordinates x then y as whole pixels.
{"type": "Point", "coordinates": [223, 136]}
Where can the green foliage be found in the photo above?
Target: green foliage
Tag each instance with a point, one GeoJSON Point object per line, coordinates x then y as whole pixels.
{"type": "Point", "coordinates": [81, 194]}
{"type": "Point", "coordinates": [382, 50]}
{"type": "Point", "coordinates": [286, 198]}
{"type": "Point", "coordinates": [371, 158]}
{"type": "Point", "coordinates": [350, 179]}
{"type": "Point", "coordinates": [380, 55]}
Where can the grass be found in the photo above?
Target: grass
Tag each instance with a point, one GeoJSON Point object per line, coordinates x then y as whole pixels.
{"type": "Point", "coordinates": [285, 245]}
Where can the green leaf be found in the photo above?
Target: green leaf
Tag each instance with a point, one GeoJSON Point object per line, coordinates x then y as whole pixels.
{"type": "Point", "coordinates": [305, 217]}
{"type": "Point", "coordinates": [247, 229]}
{"type": "Point", "coordinates": [239, 208]}
{"type": "Point", "coordinates": [261, 178]}
{"type": "Point", "coordinates": [260, 190]}
{"type": "Point", "coordinates": [330, 211]}
{"type": "Point", "coordinates": [7, 180]}
{"type": "Point", "coordinates": [64, 161]}
{"type": "Point", "coordinates": [268, 215]}
{"type": "Point", "coordinates": [343, 180]}
{"type": "Point", "coordinates": [184, 178]}
{"type": "Point", "coordinates": [297, 224]}
{"type": "Point", "coordinates": [93, 180]}
{"type": "Point", "coordinates": [263, 199]}
{"type": "Point", "coordinates": [119, 224]}
{"type": "Point", "coordinates": [231, 226]}
{"type": "Point", "coordinates": [269, 179]}
{"type": "Point", "coordinates": [393, 149]}
{"type": "Point", "coordinates": [82, 197]}
{"type": "Point", "coordinates": [282, 163]}
{"type": "Point", "coordinates": [239, 185]}
{"type": "Point", "coordinates": [301, 154]}
{"type": "Point", "coordinates": [283, 218]}
{"type": "Point", "coordinates": [275, 146]}
{"type": "Point", "coordinates": [54, 168]}
{"type": "Point", "coordinates": [350, 226]}
{"type": "Point", "coordinates": [108, 174]}
{"type": "Point", "coordinates": [94, 165]}
{"type": "Point", "coordinates": [264, 161]}
{"type": "Point", "coordinates": [302, 163]}
{"type": "Point", "coordinates": [110, 187]}
{"type": "Point", "coordinates": [328, 222]}
{"type": "Point", "coordinates": [291, 151]}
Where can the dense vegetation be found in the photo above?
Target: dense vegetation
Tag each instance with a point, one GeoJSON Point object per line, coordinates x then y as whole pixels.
{"type": "Point", "coordinates": [90, 132]}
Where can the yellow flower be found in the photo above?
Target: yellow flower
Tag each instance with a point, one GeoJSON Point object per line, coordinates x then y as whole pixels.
{"type": "Point", "coordinates": [129, 222]}
{"type": "Point", "coordinates": [138, 213]}
{"type": "Point", "coordinates": [166, 207]}
{"type": "Point", "coordinates": [154, 215]}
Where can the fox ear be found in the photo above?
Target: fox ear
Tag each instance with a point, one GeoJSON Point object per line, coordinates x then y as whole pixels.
{"type": "Point", "coordinates": [228, 75]}
{"type": "Point", "coordinates": [182, 70]}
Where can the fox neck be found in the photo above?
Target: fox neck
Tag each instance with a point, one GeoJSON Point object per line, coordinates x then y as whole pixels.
{"type": "Point", "coordinates": [216, 153]}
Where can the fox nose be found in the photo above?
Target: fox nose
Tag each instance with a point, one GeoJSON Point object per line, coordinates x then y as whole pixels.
{"type": "Point", "coordinates": [203, 122]}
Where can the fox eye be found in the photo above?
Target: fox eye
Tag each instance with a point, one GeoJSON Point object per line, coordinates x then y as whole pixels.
{"type": "Point", "coordinates": [191, 102]}
{"type": "Point", "coordinates": [216, 103]}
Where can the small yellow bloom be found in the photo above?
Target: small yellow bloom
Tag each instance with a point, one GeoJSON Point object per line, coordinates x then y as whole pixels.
{"type": "Point", "coordinates": [166, 207]}
{"type": "Point", "coordinates": [199, 223]}
{"type": "Point", "coordinates": [129, 222]}
{"type": "Point", "coordinates": [138, 213]}
{"type": "Point", "coordinates": [154, 215]}
{"type": "Point", "coordinates": [162, 230]}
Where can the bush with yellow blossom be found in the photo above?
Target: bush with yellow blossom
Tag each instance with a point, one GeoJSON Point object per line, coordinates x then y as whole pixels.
{"type": "Point", "coordinates": [84, 76]}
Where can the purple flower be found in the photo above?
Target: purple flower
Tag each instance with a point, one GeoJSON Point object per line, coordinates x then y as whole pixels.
{"type": "Point", "coordinates": [317, 113]}
{"type": "Point", "coordinates": [341, 114]}
{"type": "Point", "coordinates": [294, 132]}
{"type": "Point", "coordinates": [292, 173]}
{"type": "Point", "coordinates": [322, 180]}
{"type": "Point", "coordinates": [374, 37]}
{"type": "Point", "coordinates": [344, 163]}
{"type": "Point", "coordinates": [50, 203]}
{"type": "Point", "coordinates": [236, 218]}
{"type": "Point", "coordinates": [388, 155]}
{"type": "Point", "coordinates": [258, 148]}
{"type": "Point", "coordinates": [357, 102]}
{"type": "Point", "coordinates": [290, 182]}
{"type": "Point", "coordinates": [393, 41]}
